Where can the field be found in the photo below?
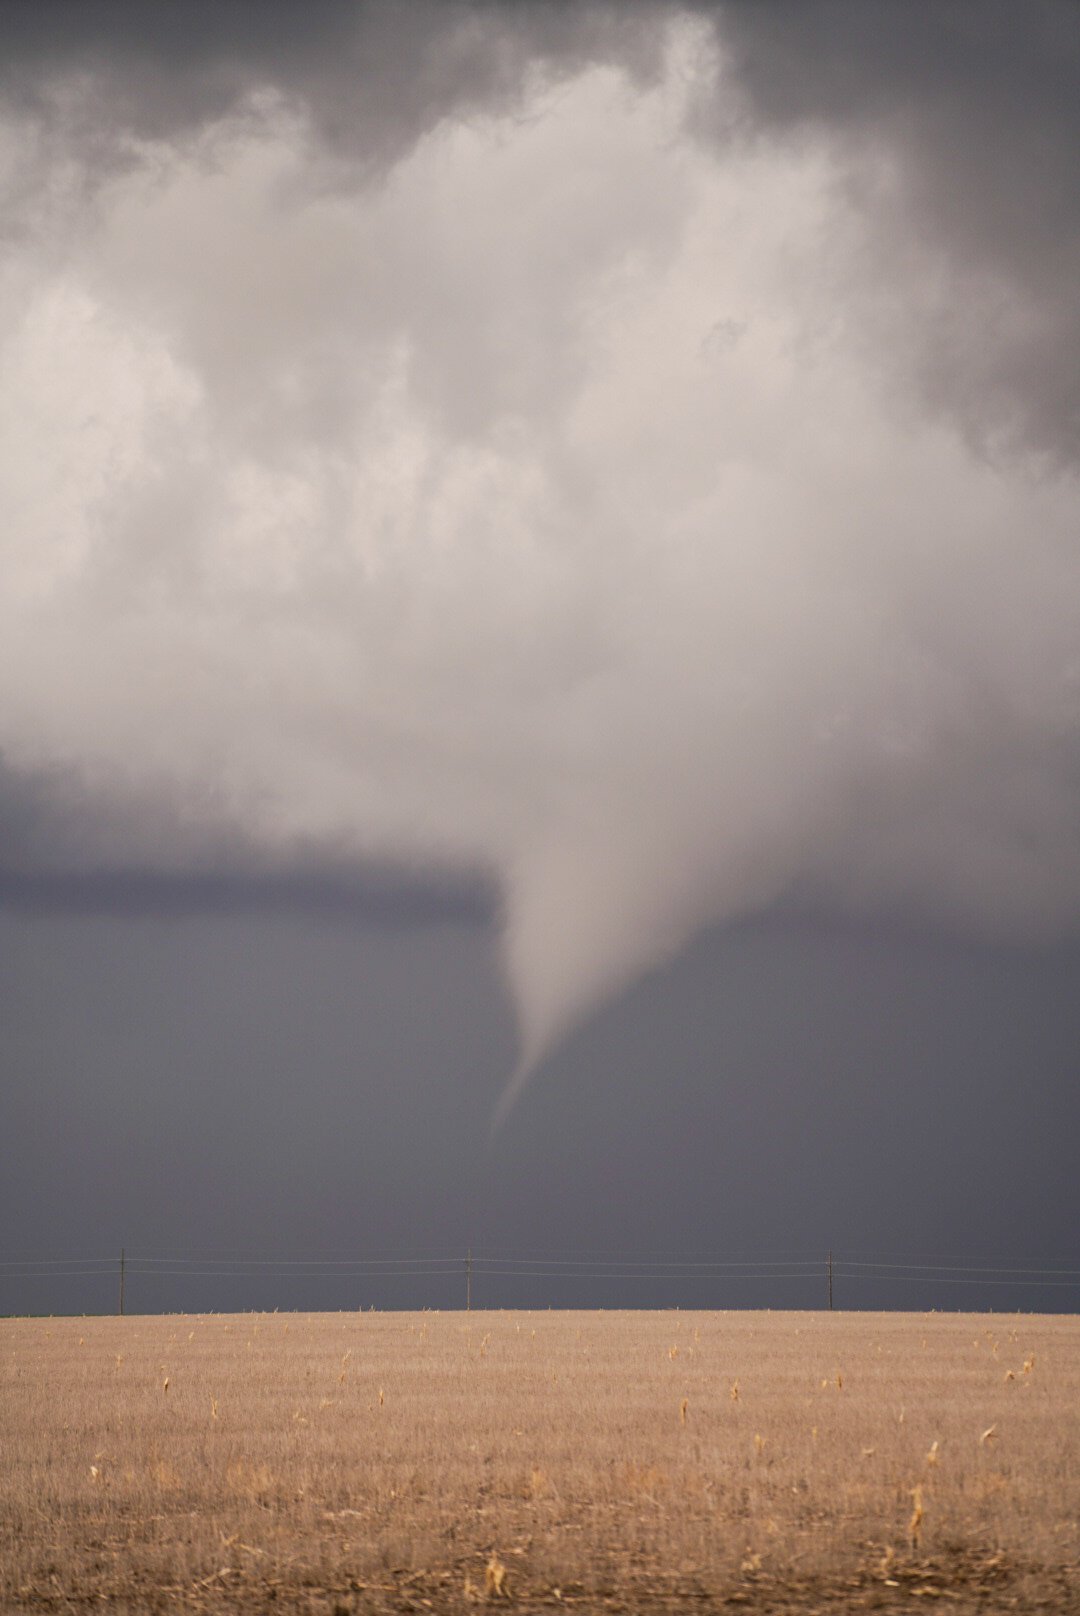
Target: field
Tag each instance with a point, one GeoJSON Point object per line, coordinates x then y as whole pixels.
{"type": "Point", "coordinates": [625, 1461]}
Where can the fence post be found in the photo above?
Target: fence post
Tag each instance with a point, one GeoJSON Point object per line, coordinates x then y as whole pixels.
{"type": "Point", "coordinates": [122, 1266]}
{"type": "Point", "coordinates": [468, 1281]}
{"type": "Point", "coordinates": [830, 1281]}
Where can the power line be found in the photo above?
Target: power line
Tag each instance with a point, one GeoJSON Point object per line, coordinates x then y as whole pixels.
{"type": "Point", "coordinates": [720, 1278]}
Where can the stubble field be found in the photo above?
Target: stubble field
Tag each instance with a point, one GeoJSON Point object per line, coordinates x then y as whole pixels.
{"type": "Point", "coordinates": [626, 1461]}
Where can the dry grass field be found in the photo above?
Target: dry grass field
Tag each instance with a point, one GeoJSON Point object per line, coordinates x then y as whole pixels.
{"type": "Point", "coordinates": [623, 1461]}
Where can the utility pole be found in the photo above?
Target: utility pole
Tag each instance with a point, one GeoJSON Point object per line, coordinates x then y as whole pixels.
{"type": "Point", "coordinates": [830, 1281]}
{"type": "Point", "coordinates": [122, 1266]}
{"type": "Point", "coordinates": [468, 1281]}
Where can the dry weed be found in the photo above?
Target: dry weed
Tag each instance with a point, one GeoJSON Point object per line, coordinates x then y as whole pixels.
{"type": "Point", "coordinates": [495, 1583]}
{"type": "Point", "coordinates": [915, 1523]}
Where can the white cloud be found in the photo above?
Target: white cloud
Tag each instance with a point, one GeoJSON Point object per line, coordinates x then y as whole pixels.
{"type": "Point", "coordinates": [539, 502]}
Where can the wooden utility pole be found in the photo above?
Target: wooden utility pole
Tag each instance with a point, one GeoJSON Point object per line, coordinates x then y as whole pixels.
{"type": "Point", "coordinates": [830, 1281]}
{"type": "Point", "coordinates": [122, 1266]}
{"type": "Point", "coordinates": [468, 1281]}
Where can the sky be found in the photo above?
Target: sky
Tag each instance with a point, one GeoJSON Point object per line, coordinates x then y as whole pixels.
{"type": "Point", "coordinates": [539, 653]}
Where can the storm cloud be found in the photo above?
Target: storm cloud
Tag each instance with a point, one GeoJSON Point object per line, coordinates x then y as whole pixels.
{"type": "Point", "coordinates": [617, 463]}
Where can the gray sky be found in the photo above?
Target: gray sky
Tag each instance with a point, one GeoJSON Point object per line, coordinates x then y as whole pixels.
{"type": "Point", "coordinates": [541, 582]}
